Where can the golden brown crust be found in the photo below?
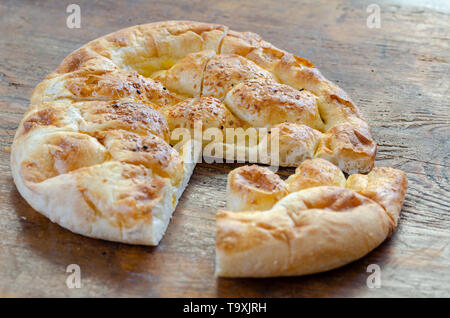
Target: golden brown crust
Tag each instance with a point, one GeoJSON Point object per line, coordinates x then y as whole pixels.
{"type": "Point", "coordinates": [325, 222]}
{"type": "Point", "coordinates": [253, 188]}
{"type": "Point", "coordinates": [350, 148]}
{"type": "Point", "coordinates": [385, 185]}
{"type": "Point", "coordinates": [98, 127]}
{"type": "Point", "coordinates": [59, 153]}
{"type": "Point", "coordinates": [149, 151]}
{"type": "Point", "coordinates": [84, 85]}
{"type": "Point", "coordinates": [84, 58]}
{"type": "Point", "coordinates": [241, 43]}
{"type": "Point", "coordinates": [186, 76]}
{"type": "Point", "coordinates": [224, 71]}
{"type": "Point", "coordinates": [210, 111]}
{"type": "Point", "coordinates": [306, 232]}
{"type": "Point", "coordinates": [128, 115]}
{"type": "Point", "coordinates": [314, 173]}
{"type": "Point", "coordinates": [296, 143]}
{"type": "Point", "coordinates": [175, 52]}
{"type": "Point", "coordinates": [92, 116]}
{"type": "Point", "coordinates": [265, 103]}
{"type": "Point", "coordinates": [135, 195]}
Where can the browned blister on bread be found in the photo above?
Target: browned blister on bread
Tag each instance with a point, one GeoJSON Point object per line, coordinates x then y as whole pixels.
{"type": "Point", "coordinates": [265, 103]}
{"type": "Point", "coordinates": [253, 188]}
{"type": "Point", "coordinates": [385, 185]}
{"type": "Point", "coordinates": [223, 72]}
{"type": "Point", "coordinates": [313, 173]}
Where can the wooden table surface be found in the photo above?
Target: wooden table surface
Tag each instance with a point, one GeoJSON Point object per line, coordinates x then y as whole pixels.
{"type": "Point", "coordinates": [398, 74]}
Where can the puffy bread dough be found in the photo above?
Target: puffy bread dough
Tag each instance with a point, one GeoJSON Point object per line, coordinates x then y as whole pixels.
{"type": "Point", "coordinates": [385, 185]}
{"type": "Point", "coordinates": [296, 143]}
{"type": "Point", "coordinates": [149, 151]}
{"type": "Point", "coordinates": [265, 103]}
{"type": "Point", "coordinates": [315, 229]}
{"type": "Point", "coordinates": [51, 153]}
{"type": "Point", "coordinates": [103, 85]}
{"type": "Point", "coordinates": [253, 188]}
{"type": "Point", "coordinates": [111, 200]}
{"type": "Point", "coordinates": [93, 116]}
{"type": "Point", "coordinates": [208, 111]}
{"type": "Point", "coordinates": [350, 148]}
{"type": "Point", "coordinates": [224, 71]}
{"type": "Point", "coordinates": [292, 239]}
{"type": "Point", "coordinates": [101, 169]}
{"type": "Point", "coordinates": [202, 114]}
{"type": "Point", "coordinates": [217, 59]}
{"type": "Point", "coordinates": [186, 77]}
{"type": "Point", "coordinates": [313, 173]}
{"type": "Point", "coordinates": [92, 151]}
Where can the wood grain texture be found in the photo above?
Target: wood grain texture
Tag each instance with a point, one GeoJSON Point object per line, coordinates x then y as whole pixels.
{"type": "Point", "coordinates": [398, 75]}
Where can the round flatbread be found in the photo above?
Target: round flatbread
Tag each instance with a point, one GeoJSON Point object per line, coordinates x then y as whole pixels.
{"type": "Point", "coordinates": [96, 153]}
